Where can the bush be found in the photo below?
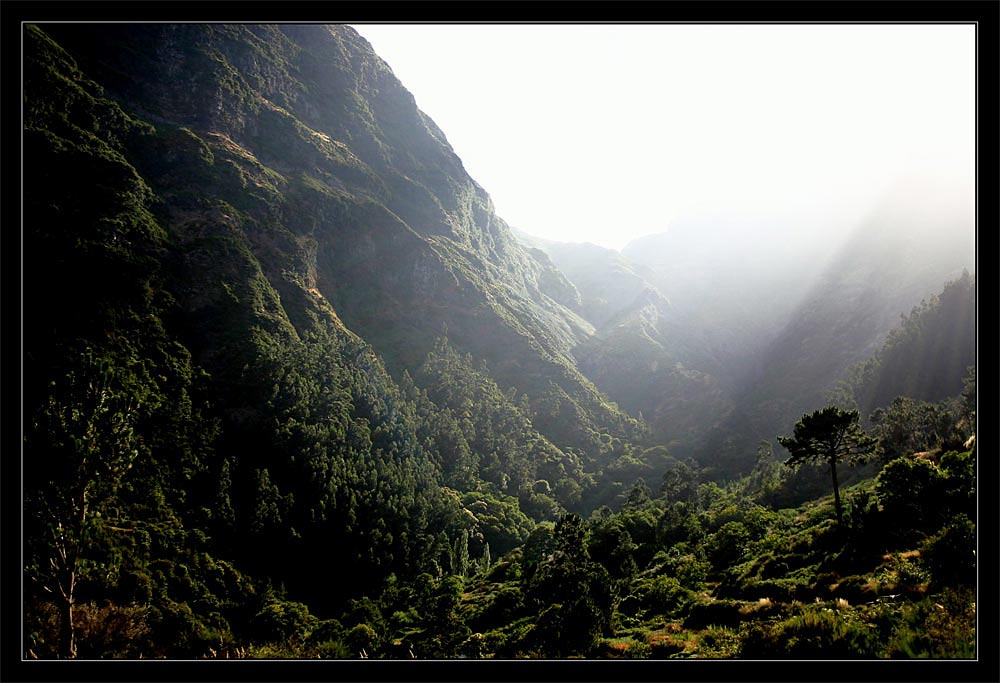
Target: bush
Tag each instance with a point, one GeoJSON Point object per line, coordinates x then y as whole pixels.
{"type": "Point", "coordinates": [855, 589]}
{"type": "Point", "coordinates": [683, 563]}
{"type": "Point", "coordinates": [329, 649]}
{"type": "Point", "coordinates": [910, 491]}
{"type": "Point", "coordinates": [510, 640]}
{"type": "Point", "coordinates": [942, 627]}
{"type": "Point", "coordinates": [664, 646]}
{"type": "Point", "coordinates": [718, 643]}
{"type": "Point", "coordinates": [816, 633]}
{"type": "Point", "coordinates": [901, 572]}
{"type": "Point", "coordinates": [111, 631]}
{"type": "Point", "coordinates": [326, 630]}
{"type": "Point", "coordinates": [179, 632]}
{"type": "Point", "coordinates": [950, 555]}
{"type": "Point", "coordinates": [361, 638]}
{"type": "Point", "coordinates": [713, 613]}
{"type": "Point", "coordinates": [726, 546]}
{"type": "Point", "coordinates": [795, 587]}
{"type": "Point", "coordinates": [282, 621]}
{"type": "Point", "coordinates": [662, 594]}
{"type": "Point", "coordinates": [566, 630]}
{"type": "Point", "coordinates": [638, 651]}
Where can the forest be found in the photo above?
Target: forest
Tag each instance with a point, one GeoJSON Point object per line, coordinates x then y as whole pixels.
{"type": "Point", "coordinates": [293, 390]}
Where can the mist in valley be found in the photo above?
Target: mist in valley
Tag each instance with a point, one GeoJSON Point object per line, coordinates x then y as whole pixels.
{"type": "Point", "coordinates": [736, 296]}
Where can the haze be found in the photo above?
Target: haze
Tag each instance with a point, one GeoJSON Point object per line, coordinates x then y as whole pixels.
{"type": "Point", "coordinates": [605, 133]}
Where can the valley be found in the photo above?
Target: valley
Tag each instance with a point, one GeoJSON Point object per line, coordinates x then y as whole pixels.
{"type": "Point", "coordinates": [293, 389]}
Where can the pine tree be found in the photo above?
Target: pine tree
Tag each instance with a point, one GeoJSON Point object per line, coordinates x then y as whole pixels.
{"type": "Point", "coordinates": [829, 435]}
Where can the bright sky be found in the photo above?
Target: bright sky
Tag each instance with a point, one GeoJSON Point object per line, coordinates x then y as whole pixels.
{"type": "Point", "coordinates": [604, 133]}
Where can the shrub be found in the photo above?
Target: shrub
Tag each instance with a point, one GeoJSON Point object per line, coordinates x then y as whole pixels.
{"type": "Point", "coordinates": [901, 572]}
{"type": "Point", "coordinates": [855, 589]}
{"type": "Point", "coordinates": [361, 638]}
{"type": "Point", "coordinates": [510, 640]}
{"type": "Point", "coordinates": [718, 643]}
{"type": "Point", "coordinates": [726, 546]}
{"type": "Point", "coordinates": [665, 646]}
{"type": "Point", "coordinates": [329, 649]}
{"type": "Point", "coordinates": [326, 630]}
{"type": "Point", "coordinates": [713, 613]}
{"type": "Point", "coordinates": [180, 632]}
{"type": "Point", "coordinates": [944, 627]}
{"type": "Point", "coordinates": [638, 651]}
{"type": "Point", "coordinates": [950, 555]}
{"type": "Point", "coordinates": [683, 563]}
{"type": "Point", "coordinates": [662, 594]}
{"type": "Point", "coordinates": [283, 621]}
{"type": "Point", "coordinates": [272, 651]}
{"type": "Point", "coordinates": [111, 631]}
{"type": "Point", "coordinates": [910, 492]}
{"type": "Point", "coordinates": [815, 633]}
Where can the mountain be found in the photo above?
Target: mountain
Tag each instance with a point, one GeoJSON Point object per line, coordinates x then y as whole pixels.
{"type": "Point", "coordinates": [644, 354]}
{"type": "Point", "coordinates": [356, 196]}
{"type": "Point", "coordinates": [926, 356]}
{"type": "Point", "coordinates": [915, 241]}
{"type": "Point", "coordinates": [245, 247]}
{"type": "Point", "coordinates": [721, 331]}
{"type": "Point", "coordinates": [290, 383]}
{"type": "Point", "coordinates": [733, 274]}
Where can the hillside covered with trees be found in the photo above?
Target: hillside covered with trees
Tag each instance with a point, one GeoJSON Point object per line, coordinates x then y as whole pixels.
{"type": "Point", "coordinates": [293, 390]}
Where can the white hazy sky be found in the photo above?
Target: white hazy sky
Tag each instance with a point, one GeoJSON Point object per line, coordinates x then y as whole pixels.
{"type": "Point", "coordinates": [604, 133]}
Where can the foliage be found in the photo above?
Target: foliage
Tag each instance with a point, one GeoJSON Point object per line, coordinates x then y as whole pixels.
{"type": "Point", "coordinates": [907, 426]}
{"type": "Point", "coordinates": [830, 435]}
{"type": "Point", "coordinates": [910, 491]}
{"type": "Point", "coordinates": [814, 633]}
{"type": "Point", "coordinates": [926, 356]}
{"type": "Point", "coordinates": [247, 433]}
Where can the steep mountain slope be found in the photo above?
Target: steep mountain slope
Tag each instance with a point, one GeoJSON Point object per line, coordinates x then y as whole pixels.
{"type": "Point", "coordinates": [919, 238]}
{"type": "Point", "coordinates": [926, 356]}
{"type": "Point", "coordinates": [238, 240]}
{"type": "Point", "coordinates": [356, 196]}
{"type": "Point", "coordinates": [176, 419]}
{"type": "Point", "coordinates": [734, 275]}
{"type": "Point", "coordinates": [608, 283]}
{"type": "Point", "coordinates": [722, 331]}
{"type": "Point", "coordinates": [289, 381]}
{"type": "Point", "coordinates": [644, 354]}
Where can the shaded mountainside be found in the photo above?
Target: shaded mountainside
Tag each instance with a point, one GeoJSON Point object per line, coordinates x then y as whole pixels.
{"type": "Point", "coordinates": [733, 275]}
{"type": "Point", "coordinates": [241, 244]}
{"type": "Point", "coordinates": [341, 187]}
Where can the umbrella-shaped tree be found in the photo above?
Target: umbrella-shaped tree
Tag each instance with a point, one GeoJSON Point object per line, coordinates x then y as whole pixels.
{"type": "Point", "coordinates": [829, 435]}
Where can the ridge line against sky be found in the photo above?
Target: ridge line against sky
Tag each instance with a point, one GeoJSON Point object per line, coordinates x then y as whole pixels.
{"type": "Point", "coordinates": [605, 133]}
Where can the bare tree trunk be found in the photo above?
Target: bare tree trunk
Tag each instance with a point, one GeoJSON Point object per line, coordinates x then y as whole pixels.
{"type": "Point", "coordinates": [67, 633]}
{"type": "Point", "coordinates": [836, 493]}
{"type": "Point", "coordinates": [69, 556]}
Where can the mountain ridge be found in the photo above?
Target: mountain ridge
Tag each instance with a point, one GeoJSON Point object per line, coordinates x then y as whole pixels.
{"type": "Point", "coordinates": [291, 386]}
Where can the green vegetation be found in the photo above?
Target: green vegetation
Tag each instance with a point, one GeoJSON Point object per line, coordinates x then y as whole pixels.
{"type": "Point", "coordinates": [830, 435]}
{"type": "Point", "coordinates": [291, 390]}
{"type": "Point", "coordinates": [924, 357]}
